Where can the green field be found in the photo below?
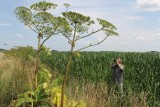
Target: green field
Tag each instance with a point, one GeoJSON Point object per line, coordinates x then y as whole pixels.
{"type": "Point", "coordinates": [141, 72]}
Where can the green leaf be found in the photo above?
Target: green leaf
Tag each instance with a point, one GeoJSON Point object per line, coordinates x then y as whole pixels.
{"type": "Point", "coordinates": [57, 82]}
{"type": "Point", "coordinates": [44, 76]}
{"type": "Point", "coordinates": [77, 54]}
{"type": "Point", "coordinates": [19, 102]}
{"type": "Point", "coordinates": [25, 97]}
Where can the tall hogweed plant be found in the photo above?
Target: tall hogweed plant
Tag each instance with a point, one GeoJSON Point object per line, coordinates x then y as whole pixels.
{"type": "Point", "coordinates": [45, 95]}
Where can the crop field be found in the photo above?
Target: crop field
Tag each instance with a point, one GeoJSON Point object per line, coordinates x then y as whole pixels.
{"type": "Point", "coordinates": [141, 72]}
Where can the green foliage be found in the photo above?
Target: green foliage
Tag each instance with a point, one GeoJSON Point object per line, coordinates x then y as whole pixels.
{"type": "Point", "coordinates": [106, 24]}
{"type": "Point", "coordinates": [77, 54]}
{"type": "Point", "coordinates": [47, 94]}
{"type": "Point", "coordinates": [43, 6]}
{"type": "Point", "coordinates": [22, 53]}
{"type": "Point", "coordinates": [77, 18]}
{"type": "Point", "coordinates": [108, 28]}
{"type": "Point", "coordinates": [82, 22]}
{"type": "Point", "coordinates": [41, 95]}
{"type": "Point", "coordinates": [36, 97]}
{"type": "Point", "coordinates": [57, 82]}
{"type": "Point", "coordinates": [43, 23]}
{"type": "Point", "coordinates": [24, 14]}
{"type": "Point", "coordinates": [64, 26]}
{"type": "Point", "coordinates": [44, 76]}
{"type": "Point", "coordinates": [45, 50]}
{"type": "Point", "coordinates": [25, 98]}
{"type": "Point", "coordinates": [37, 19]}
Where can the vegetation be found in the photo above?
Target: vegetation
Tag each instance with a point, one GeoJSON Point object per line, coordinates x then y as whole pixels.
{"type": "Point", "coordinates": [1, 50]}
{"type": "Point", "coordinates": [43, 78]}
{"type": "Point", "coordinates": [46, 25]}
{"type": "Point", "coordinates": [48, 92]}
{"type": "Point", "coordinates": [89, 85]}
{"type": "Point", "coordinates": [141, 70]}
{"type": "Point", "coordinates": [80, 25]}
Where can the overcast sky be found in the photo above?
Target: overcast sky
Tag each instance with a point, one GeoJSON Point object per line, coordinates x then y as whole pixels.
{"type": "Point", "coordinates": [137, 22]}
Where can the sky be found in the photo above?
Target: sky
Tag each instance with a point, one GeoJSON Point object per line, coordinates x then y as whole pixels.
{"type": "Point", "coordinates": [137, 22]}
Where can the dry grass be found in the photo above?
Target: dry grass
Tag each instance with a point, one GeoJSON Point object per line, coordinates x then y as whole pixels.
{"type": "Point", "coordinates": [102, 96]}
{"type": "Point", "coordinates": [15, 78]}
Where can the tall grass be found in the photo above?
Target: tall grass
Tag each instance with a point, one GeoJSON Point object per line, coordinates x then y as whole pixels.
{"type": "Point", "coordinates": [102, 95]}
{"type": "Point", "coordinates": [15, 78]}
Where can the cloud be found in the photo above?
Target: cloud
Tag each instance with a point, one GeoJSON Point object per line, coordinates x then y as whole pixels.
{"type": "Point", "coordinates": [124, 43]}
{"type": "Point", "coordinates": [19, 35]}
{"type": "Point", "coordinates": [149, 5]}
{"type": "Point", "coordinates": [26, 27]}
{"type": "Point", "coordinates": [152, 38]}
{"type": "Point", "coordinates": [143, 38]}
{"type": "Point", "coordinates": [158, 30]}
{"type": "Point", "coordinates": [99, 38]}
{"type": "Point", "coordinates": [133, 18]}
{"type": "Point", "coordinates": [157, 34]}
{"type": "Point", "coordinates": [84, 42]}
{"type": "Point", "coordinates": [4, 24]}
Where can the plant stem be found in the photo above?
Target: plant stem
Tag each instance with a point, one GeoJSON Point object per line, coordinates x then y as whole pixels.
{"type": "Point", "coordinates": [68, 67]}
{"type": "Point", "coordinates": [38, 61]}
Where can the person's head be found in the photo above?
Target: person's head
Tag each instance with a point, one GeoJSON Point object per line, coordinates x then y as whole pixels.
{"type": "Point", "coordinates": [119, 60]}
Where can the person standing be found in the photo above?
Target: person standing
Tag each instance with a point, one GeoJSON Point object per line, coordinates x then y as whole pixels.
{"type": "Point", "coordinates": [117, 75]}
